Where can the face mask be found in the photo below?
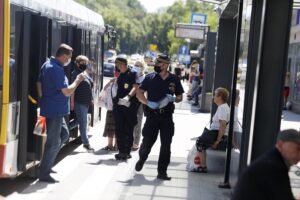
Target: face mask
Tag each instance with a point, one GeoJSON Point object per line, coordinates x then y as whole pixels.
{"type": "Point", "coordinates": [82, 67]}
{"type": "Point", "coordinates": [116, 74]}
{"type": "Point", "coordinates": [138, 70]}
{"type": "Point", "coordinates": [117, 69]}
{"type": "Point", "coordinates": [157, 69]}
{"type": "Point", "coordinates": [68, 62]}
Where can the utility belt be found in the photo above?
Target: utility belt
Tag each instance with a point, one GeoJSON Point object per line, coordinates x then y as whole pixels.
{"type": "Point", "coordinates": [165, 110]}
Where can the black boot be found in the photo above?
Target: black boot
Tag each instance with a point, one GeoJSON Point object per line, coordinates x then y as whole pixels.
{"type": "Point", "coordinates": [139, 165]}
{"type": "Point", "coordinates": [164, 177]}
{"type": "Point", "coordinates": [121, 156]}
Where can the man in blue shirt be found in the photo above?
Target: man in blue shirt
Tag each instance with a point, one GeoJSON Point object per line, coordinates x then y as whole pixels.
{"type": "Point", "coordinates": [161, 86]}
{"type": "Point", "coordinates": [54, 92]}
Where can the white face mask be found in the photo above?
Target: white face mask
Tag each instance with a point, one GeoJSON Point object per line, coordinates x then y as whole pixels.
{"type": "Point", "coordinates": [67, 63]}
{"type": "Point", "coordinates": [138, 70]}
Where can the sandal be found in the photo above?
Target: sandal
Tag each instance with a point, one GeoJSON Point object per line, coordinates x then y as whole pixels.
{"type": "Point", "coordinates": [135, 147]}
{"type": "Point", "coordinates": [107, 148]}
{"type": "Point", "coordinates": [202, 169]}
{"type": "Point", "coordinates": [115, 148]}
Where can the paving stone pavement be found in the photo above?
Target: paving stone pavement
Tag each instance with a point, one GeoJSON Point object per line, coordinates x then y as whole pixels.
{"type": "Point", "coordinates": [95, 176]}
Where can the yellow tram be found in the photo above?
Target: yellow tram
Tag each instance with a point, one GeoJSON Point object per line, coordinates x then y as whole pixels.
{"type": "Point", "coordinates": [30, 32]}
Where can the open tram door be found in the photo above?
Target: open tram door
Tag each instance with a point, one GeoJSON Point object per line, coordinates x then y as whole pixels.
{"type": "Point", "coordinates": [71, 36]}
{"type": "Point", "coordinates": [30, 53]}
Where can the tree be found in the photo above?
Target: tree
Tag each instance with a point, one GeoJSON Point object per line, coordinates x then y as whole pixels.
{"type": "Point", "coordinates": [137, 29]}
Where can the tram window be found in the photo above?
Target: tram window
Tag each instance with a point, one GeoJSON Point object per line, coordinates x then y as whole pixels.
{"type": "Point", "coordinates": [83, 41]}
{"type": "Point", "coordinates": [99, 54]}
{"type": "Point", "coordinates": [99, 43]}
{"type": "Point", "coordinates": [14, 26]}
{"type": "Point", "coordinates": [93, 51]}
{"type": "Point", "coordinates": [56, 36]}
{"type": "Point", "coordinates": [93, 44]}
{"type": "Point", "coordinates": [88, 44]}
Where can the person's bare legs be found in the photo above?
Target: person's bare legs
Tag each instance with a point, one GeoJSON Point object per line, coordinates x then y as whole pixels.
{"type": "Point", "coordinates": [203, 167]}
{"type": "Point", "coordinates": [204, 159]}
{"type": "Point", "coordinates": [114, 142]}
{"type": "Point", "coordinates": [110, 142]}
{"type": "Point", "coordinates": [110, 146]}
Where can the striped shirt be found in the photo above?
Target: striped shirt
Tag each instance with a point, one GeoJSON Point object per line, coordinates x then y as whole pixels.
{"type": "Point", "coordinates": [83, 93]}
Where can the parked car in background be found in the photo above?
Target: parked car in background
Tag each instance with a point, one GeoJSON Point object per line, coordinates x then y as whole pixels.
{"type": "Point", "coordinates": [135, 57]}
{"type": "Point", "coordinates": [111, 59]}
{"type": "Point", "coordinates": [109, 54]}
{"type": "Point", "coordinates": [108, 69]}
{"type": "Point", "coordinates": [122, 55]}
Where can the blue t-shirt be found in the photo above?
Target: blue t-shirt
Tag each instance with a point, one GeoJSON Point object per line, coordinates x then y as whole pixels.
{"type": "Point", "coordinates": [157, 88]}
{"type": "Point", "coordinates": [53, 102]}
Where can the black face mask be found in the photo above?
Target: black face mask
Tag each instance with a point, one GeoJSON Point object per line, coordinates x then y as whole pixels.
{"type": "Point", "coordinates": [82, 67]}
{"type": "Point", "coordinates": [157, 69]}
{"type": "Point", "coordinates": [117, 69]}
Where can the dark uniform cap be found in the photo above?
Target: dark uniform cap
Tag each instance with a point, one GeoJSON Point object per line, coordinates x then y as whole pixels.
{"type": "Point", "coordinates": [121, 61]}
{"type": "Point", "coordinates": [289, 135]}
{"type": "Point", "coordinates": [162, 58]}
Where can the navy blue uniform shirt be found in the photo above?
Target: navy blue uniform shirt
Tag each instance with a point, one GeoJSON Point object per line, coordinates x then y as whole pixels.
{"type": "Point", "coordinates": [125, 83]}
{"type": "Point", "coordinates": [157, 88]}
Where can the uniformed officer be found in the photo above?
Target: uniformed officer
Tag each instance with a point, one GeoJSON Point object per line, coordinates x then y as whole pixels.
{"type": "Point", "coordinates": [161, 86]}
{"type": "Point", "coordinates": [125, 106]}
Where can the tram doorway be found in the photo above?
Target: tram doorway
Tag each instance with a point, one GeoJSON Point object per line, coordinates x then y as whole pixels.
{"type": "Point", "coordinates": [31, 52]}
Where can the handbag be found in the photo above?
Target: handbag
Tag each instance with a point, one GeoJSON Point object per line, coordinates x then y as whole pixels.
{"type": "Point", "coordinates": [193, 160]}
{"type": "Point", "coordinates": [205, 132]}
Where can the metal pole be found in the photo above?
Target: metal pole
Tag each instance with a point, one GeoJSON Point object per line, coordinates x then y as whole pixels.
{"type": "Point", "coordinates": [102, 60]}
{"type": "Point", "coordinates": [226, 183]}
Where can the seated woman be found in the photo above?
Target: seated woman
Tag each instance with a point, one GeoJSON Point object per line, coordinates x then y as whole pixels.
{"type": "Point", "coordinates": [213, 137]}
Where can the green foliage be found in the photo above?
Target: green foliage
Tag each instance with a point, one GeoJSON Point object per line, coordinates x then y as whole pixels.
{"type": "Point", "coordinates": [137, 29]}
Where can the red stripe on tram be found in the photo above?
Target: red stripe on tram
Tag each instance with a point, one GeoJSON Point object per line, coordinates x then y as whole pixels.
{"type": "Point", "coordinates": [2, 154]}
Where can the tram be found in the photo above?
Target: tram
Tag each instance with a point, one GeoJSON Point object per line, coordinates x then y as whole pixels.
{"type": "Point", "coordinates": [30, 32]}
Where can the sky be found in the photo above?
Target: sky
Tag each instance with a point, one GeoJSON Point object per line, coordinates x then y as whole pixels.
{"type": "Point", "coordinates": [153, 5]}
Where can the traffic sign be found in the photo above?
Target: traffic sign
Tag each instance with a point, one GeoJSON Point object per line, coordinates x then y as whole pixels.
{"type": "Point", "coordinates": [198, 18]}
{"type": "Point", "coordinates": [184, 50]}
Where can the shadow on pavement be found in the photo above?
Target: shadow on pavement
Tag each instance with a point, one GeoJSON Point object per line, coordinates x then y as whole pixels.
{"type": "Point", "coordinates": [290, 116]}
{"type": "Point", "coordinates": [20, 183]}
{"type": "Point", "coordinates": [109, 162]}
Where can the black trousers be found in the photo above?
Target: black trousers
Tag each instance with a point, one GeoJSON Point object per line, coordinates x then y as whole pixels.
{"type": "Point", "coordinates": [125, 120]}
{"type": "Point", "coordinates": [155, 123]}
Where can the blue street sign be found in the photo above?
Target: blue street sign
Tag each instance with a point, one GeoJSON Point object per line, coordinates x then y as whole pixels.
{"type": "Point", "coordinates": [184, 50]}
{"type": "Point", "coordinates": [198, 18]}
